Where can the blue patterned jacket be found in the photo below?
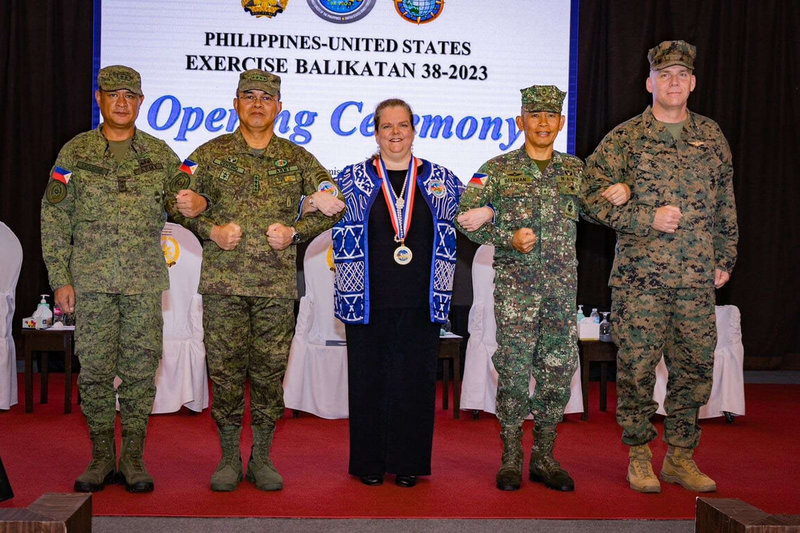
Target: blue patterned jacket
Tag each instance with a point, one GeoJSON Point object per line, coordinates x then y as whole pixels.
{"type": "Point", "coordinates": [360, 185]}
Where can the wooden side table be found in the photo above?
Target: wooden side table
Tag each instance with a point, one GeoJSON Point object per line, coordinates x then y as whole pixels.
{"type": "Point", "coordinates": [449, 350]}
{"type": "Point", "coordinates": [42, 341]}
{"type": "Point", "coordinates": [591, 351]}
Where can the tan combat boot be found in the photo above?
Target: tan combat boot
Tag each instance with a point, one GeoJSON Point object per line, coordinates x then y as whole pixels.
{"type": "Point", "coordinates": [131, 463]}
{"type": "Point", "coordinates": [680, 468]}
{"type": "Point", "coordinates": [260, 469]}
{"type": "Point", "coordinates": [229, 470]}
{"type": "Point", "coordinates": [543, 466]}
{"type": "Point", "coordinates": [640, 471]}
{"type": "Point", "coordinates": [103, 466]}
{"type": "Point", "coordinates": [509, 477]}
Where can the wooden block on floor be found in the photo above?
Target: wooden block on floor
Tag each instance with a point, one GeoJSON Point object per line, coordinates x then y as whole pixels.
{"type": "Point", "coordinates": [722, 515]}
{"type": "Point", "coordinates": [50, 513]}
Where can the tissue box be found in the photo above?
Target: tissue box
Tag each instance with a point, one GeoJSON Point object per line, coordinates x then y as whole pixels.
{"type": "Point", "coordinates": [588, 329]}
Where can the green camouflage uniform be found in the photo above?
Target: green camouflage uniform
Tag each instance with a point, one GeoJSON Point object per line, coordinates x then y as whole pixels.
{"type": "Point", "coordinates": [662, 283]}
{"type": "Point", "coordinates": [101, 233]}
{"type": "Point", "coordinates": [534, 292]}
{"type": "Point", "coordinates": [249, 292]}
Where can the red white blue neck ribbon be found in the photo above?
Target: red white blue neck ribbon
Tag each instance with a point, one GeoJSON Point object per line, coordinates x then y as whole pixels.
{"type": "Point", "coordinates": [400, 210]}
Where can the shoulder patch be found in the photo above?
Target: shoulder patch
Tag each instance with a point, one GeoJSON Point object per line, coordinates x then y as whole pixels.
{"type": "Point", "coordinates": [329, 187]}
{"type": "Point", "coordinates": [56, 191]}
{"type": "Point", "coordinates": [478, 180]}
{"type": "Point", "coordinates": [61, 174]}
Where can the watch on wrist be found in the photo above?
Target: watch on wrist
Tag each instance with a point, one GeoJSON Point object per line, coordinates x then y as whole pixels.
{"type": "Point", "coordinates": [311, 202]}
{"type": "Point", "coordinates": [295, 237]}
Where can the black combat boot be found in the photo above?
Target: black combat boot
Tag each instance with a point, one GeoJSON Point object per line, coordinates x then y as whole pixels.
{"type": "Point", "coordinates": [543, 467]}
{"type": "Point", "coordinates": [509, 477]}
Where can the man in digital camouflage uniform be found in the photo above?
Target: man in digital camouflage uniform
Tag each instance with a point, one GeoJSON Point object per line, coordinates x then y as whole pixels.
{"type": "Point", "coordinates": [531, 194]}
{"type": "Point", "coordinates": [258, 184]}
{"type": "Point", "coordinates": [676, 242]}
{"type": "Point", "coordinates": [102, 216]}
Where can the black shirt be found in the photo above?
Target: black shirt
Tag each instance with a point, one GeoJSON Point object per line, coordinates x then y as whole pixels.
{"type": "Point", "coordinates": [394, 286]}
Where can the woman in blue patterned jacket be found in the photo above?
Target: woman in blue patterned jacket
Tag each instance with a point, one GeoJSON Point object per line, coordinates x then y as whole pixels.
{"type": "Point", "coordinates": [395, 253]}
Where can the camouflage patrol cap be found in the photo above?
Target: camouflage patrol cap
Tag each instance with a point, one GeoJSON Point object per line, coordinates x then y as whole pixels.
{"type": "Point", "coordinates": [117, 77]}
{"type": "Point", "coordinates": [542, 98]}
{"type": "Point", "coordinates": [670, 53]}
{"type": "Point", "coordinates": [260, 80]}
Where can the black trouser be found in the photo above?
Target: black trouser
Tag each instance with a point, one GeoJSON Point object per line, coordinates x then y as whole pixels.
{"type": "Point", "coordinates": [392, 386]}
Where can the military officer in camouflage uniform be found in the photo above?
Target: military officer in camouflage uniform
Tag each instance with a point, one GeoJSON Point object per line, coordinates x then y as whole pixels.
{"type": "Point", "coordinates": [258, 185]}
{"type": "Point", "coordinates": [102, 215]}
{"type": "Point", "coordinates": [676, 242]}
{"type": "Point", "coordinates": [533, 196]}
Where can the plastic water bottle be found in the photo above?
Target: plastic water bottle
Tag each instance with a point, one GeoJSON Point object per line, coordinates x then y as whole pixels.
{"type": "Point", "coordinates": [605, 329]}
{"type": "Point", "coordinates": [58, 316]}
{"type": "Point", "coordinates": [595, 316]}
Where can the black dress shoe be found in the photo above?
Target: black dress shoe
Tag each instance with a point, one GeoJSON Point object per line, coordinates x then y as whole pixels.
{"type": "Point", "coordinates": [405, 481]}
{"type": "Point", "coordinates": [372, 480]}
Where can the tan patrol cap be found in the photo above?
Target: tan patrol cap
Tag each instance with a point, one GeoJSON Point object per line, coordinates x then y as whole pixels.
{"type": "Point", "coordinates": [260, 80]}
{"type": "Point", "coordinates": [670, 53]}
{"type": "Point", "coordinates": [118, 77]}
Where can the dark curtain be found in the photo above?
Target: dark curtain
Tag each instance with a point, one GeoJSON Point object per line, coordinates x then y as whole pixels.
{"type": "Point", "coordinates": [45, 100]}
{"type": "Point", "coordinates": [748, 80]}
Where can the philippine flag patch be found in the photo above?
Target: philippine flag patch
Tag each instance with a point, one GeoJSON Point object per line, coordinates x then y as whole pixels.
{"type": "Point", "coordinates": [478, 180]}
{"type": "Point", "coordinates": [61, 174]}
{"type": "Point", "coordinates": [188, 166]}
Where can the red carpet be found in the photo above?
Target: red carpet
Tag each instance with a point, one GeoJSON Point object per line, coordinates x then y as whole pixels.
{"type": "Point", "coordinates": [755, 459]}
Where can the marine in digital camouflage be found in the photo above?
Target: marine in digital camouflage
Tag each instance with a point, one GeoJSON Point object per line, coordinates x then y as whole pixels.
{"type": "Point", "coordinates": [534, 292]}
{"type": "Point", "coordinates": [254, 191]}
{"type": "Point", "coordinates": [101, 233]}
{"type": "Point", "coordinates": [663, 283]}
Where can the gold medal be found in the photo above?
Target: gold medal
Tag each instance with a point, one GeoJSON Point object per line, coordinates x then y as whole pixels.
{"type": "Point", "coordinates": [402, 255]}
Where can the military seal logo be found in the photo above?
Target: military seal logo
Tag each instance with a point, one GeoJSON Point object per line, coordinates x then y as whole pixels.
{"type": "Point", "coordinates": [341, 11]}
{"type": "Point", "coordinates": [419, 11]}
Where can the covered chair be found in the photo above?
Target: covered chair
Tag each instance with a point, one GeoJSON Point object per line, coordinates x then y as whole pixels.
{"type": "Point", "coordinates": [316, 373]}
{"type": "Point", "coordinates": [479, 386]}
{"type": "Point", "coordinates": [727, 389]}
{"type": "Point", "coordinates": [182, 378]}
{"type": "Point", "coordinates": [10, 265]}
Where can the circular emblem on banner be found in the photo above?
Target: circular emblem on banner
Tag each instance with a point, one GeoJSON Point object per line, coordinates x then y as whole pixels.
{"type": "Point", "coordinates": [179, 182]}
{"type": "Point", "coordinates": [55, 192]}
{"type": "Point", "coordinates": [437, 188]}
{"type": "Point", "coordinates": [171, 248]}
{"type": "Point", "coordinates": [419, 11]}
{"type": "Point", "coordinates": [327, 186]}
{"type": "Point", "coordinates": [341, 11]}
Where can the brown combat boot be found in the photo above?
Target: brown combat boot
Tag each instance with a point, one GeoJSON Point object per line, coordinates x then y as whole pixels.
{"type": "Point", "coordinates": [543, 466]}
{"type": "Point", "coordinates": [102, 468]}
{"type": "Point", "coordinates": [680, 468]}
{"type": "Point", "coordinates": [640, 470]}
{"type": "Point", "coordinates": [229, 470]}
{"type": "Point", "coordinates": [131, 463]}
{"type": "Point", "coordinates": [509, 477]}
{"type": "Point", "coordinates": [260, 469]}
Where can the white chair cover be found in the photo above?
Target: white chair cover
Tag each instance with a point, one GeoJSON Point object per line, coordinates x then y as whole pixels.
{"type": "Point", "coordinates": [182, 378]}
{"type": "Point", "coordinates": [479, 386]}
{"type": "Point", "coordinates": [10, 265]}
{"type": "Point", "coordinates": [316, 374]}
{"type": "Point", "coordinates": [727, 389]}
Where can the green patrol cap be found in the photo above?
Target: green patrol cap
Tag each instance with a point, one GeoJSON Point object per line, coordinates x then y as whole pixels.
{"type": "Point", "coordinates": [670, 53]}
{"type": "Point", "coordinates": [542, 98]}
{"type": "Point", "coordinates": [260, 80]}
{"type": "Point", "coordinates": [118, 77]}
